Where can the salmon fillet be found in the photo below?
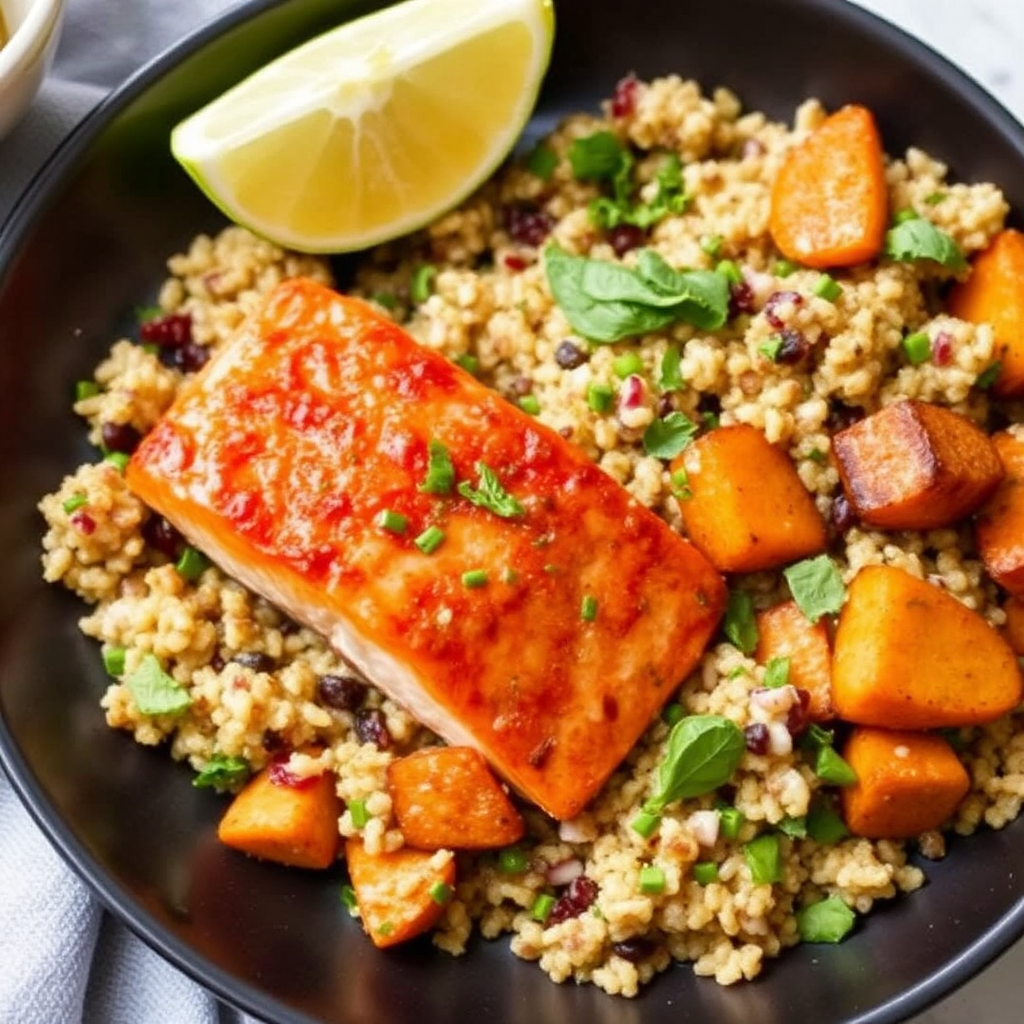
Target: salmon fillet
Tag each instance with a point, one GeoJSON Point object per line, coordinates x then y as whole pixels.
{"type": "Point", "coordinates": [553, 619]}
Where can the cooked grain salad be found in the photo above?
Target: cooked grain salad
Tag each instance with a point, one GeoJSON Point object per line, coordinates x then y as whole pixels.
{"type": "Point", "coordinates": [727, 368]}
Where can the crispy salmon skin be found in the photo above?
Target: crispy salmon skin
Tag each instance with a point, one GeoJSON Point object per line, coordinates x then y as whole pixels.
{"type": "Point", "coordinates": [548, 617]}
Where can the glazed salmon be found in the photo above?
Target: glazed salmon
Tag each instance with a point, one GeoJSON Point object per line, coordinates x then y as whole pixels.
{"type": "Point", "coordinates": [468, 560]}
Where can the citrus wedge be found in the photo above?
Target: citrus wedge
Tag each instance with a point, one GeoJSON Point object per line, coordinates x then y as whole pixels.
{"type": "Point", "coordinates": [373, 128]}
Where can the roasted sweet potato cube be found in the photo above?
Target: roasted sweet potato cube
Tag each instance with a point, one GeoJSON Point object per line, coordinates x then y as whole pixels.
{"type": "Point", "coordinates": [402, 894]}
{"type": "Point", "coordinates": [1014, 628]}
{"type": "Point", "coordinates": [915, 466]}
{"type": "Point", "coordinates": [295, 824]}
{"type": "Point", "coordinates": [447, 798]}
{"type": "Point", "coordinates": [783, 631]}
{"type": "Point", "coordinates": [907, 783]}
{"type": "Point", "coordinates": [908, 655]}
{"type": "Point", "coordinates": [994, 294]}
{"type": "Point", "coordinates": [743, 504]}
{"type": "Point", "coordinates": [999, 528]}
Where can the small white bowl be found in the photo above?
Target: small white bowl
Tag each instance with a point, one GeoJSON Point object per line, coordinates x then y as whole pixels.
{"type": "Point", "coordinates": [33, 28]}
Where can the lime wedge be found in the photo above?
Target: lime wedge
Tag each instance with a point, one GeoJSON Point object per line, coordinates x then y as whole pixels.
{"type": "Point", "coordinates": [375, 127]}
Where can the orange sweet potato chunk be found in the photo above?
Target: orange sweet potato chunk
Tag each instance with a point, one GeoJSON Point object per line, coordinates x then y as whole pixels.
{"type": "Point", "coordinates": [829, 201]}
{"type": "Point", "coordinates": [783, 631]}
{"type": "Point", "coordinates": [746, 509]}
{"type": "Point", "coordinates": [999, 528]}
{"type": "Point", "coordinates": [1014, 628]}
{"type": "Point", "coordinates": [907, 783]}
{"type": "Point", "coordinates": [994, 294]}
{"type": "Point", "coordinates": [908, 655]}
{"type": "Point", "coordinates": [447, 798]}
{"type": "Point", "coordinates": [915, 466]}
{"type": "Point", "coordinates": [289, 824]}
{"type": "Point", "coordinates": [401, 894]}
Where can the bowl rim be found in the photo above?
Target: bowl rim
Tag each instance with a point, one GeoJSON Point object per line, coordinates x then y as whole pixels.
{"type": "Point", "coordinates": [28, 41]}
{"type": "Point", "coordinates": [229, 988]}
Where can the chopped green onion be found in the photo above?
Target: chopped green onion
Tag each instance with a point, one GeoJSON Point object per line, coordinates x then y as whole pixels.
{"type": "Point", "coordinates": [776, 672]}
{"type": "Point", "coordinates": [512, 860]}
{"type": "Point", "coordinates": [771, 348]}
{"type": "Point", "coordinates": [763, 858]}
{"type": "Point", "coordinates": [730, 821]}
{"type": "Point", "coordinates": [832, 767]}
{"type": "Point", "coordinates": [530, 404]}
{"type": "Point", "coordinates": [192, 564]}
{"type": "Point", "coordinates": [393, 522]}
{"type": "Point", "coordinates": [829, 920]}
{"type": "Point", "coordinates": [917, 347]}
{"type": "Point", "coordinates": [588, 608]}
{"type": "Point", "coordinates": [76, 501]}
{"type": "Point", "coordinates": [440, 478]}
{"type": "Point", "coordinates": [902, 216]}
{"type": "Point", "coordinates": [680, 481]}
{"type": "Point", "coordinates": [600, 397]}
{"type": "Point", "coordinates": [469, 363]}
{"type": "Point", "coordinates": [348, 898]}
{"type": "Point", "coordinates": [542, 907]}
{"type": "Point", "coordinates": [627, 364]}
{"type": "Point", "coordinates": [785, 268]}
{"type": "Point", "coordinates": [730, 270]}
{"type": "Point", "coordinates": [828, 288]}
{"type": "Point", "coordinates": [824, 826]}
{"type": "Point", "coordinates": [154, 691]}
{"type": "Point", "coordinates": [118, 459]}
{"type": "Point", "coordinates": [440, 892]}
{"type": "Point", "coordinates": [645, 823]}
{"type": "Point", "coordinates": [705, 872]}
{"type": "Point", "coordinates": [430, 540]}
{"type": "Point", "coordinates": [672, 713]}
{"type": "Point", "coordinates": [113, 660]}
{"type": "Point", "coordinates": [712, 245]}
{"type": "Point", "coordinates": [816, 586]}
{"type": "Point", "coordinates": [222, 773]}
{"type": "Point", "coordinates": [988, 376]}
{"type": "Point", "coordinates": [652, 879]}
{"type": "Point", "coordinates": [422, 283]}
{"type": "Point", "coordinates": [474, 578]}
{"type": "Point", "coordinates": [817, 736]}
{"type": "Point", "coordinates": [86, 389]}
{"type": "Point", "coordinates": [671, 377]}
{"type": "Point", "coordinates": [358, 812]}
{"type": "Point", "coordinates": [934, 198]}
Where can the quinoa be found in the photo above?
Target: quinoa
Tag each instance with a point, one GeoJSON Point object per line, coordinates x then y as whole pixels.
{"type": "Point", "coordinates": [257, 680]}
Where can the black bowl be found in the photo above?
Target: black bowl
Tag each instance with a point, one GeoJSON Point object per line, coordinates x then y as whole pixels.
{"type": "Point", "coordinates": [86, 247]}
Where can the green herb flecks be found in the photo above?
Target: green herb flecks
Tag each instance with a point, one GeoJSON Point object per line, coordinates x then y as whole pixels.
{"type": "Point", "coordinates": [917, 238]}
{"type": "Point", "coordinates": [739, 624]}
{"type": "Point", "coordinates": [421, 287]}
{"type": "Point", "coordinates": [542, 162]}
{"type": "Point", "coordinates": [764, 859]}
{"type": "Point", "coordinates": [490, 494]}
{"type": "Point", "coordinates": [988, 376]}
{"type": "Point", "coordinates": [776, 672]}
{"type": "Point", "coordinates": [830, 766]}
{"type": "Point", "coordinates": [667, 437]}
{"type": "Point", "coordinates": [671, 377]}
{"type": "Point", "coordinates": [154, 691]}
{"type": "Point", "coordinates": [440, 478]}
{"type": "Point", "coordinates": [222, 773]}
{"type": "Point", "coordinates": [816, 586]}
{"type": "Point", "coordinates": [829, 920]}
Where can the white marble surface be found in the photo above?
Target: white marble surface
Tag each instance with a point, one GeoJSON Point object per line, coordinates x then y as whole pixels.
{"type": "Point", "coordinates": [986, 39]}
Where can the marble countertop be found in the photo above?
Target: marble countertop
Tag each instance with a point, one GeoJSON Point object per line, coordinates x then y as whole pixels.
{"type": "Point", "coordinates": [986, 39]}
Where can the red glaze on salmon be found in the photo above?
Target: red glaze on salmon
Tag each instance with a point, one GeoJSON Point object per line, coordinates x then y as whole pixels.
{"type": "Point", "coordinates": [280, 457]}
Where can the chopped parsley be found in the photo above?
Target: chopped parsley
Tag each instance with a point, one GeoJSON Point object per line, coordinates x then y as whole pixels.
{"type": "Point", "coordinates": [816, 586]}
{"type": "Point", "coordinates": [440, 478]}
{"type": "Point", "coordinates": [490, 494]}
{"type": "Point", "coordinates": [154, 691]}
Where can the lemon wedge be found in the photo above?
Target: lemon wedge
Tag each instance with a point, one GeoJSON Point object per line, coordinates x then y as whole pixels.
{"type": "Point", "coordinates": [375, 127]}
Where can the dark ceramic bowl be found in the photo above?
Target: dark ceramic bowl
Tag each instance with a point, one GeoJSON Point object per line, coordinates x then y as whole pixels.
{"type": "Point", "coordinates": [86, 247]}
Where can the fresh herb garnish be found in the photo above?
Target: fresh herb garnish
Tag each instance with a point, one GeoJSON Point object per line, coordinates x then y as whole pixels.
{"type": "Point", "coordinates": [739, 624]}
{"type": "Point", "coordinates": [598, 157]}
{"type": "Point", "coordinates": [86, 389]}
{"type": "Point", "coordinates": [824, 825]}
{"type": "Point", "coordinates": [392, 521]}
{"type": "Point", "coordinates": [588, 608]}
{"type": "Point", "coordinates": [113, 660]}
{"type": "Point", "coordinates": [816, 586]}
{"type": "Point", "coordinates": [512, 860]}
{"type": "Point", "coordinates": [651, 879]}
{"type": "Point", "coordinates": [671, 377]}
{"type": "Point", "coordinates": [917, 347]}
{"type": "Point", "coordinates": [917, 238]}
{"type": "Point", "coordinates": [154, 691]}
{"type": "Point", "coordinates": [763, 859]}
{"type": "Point", "coordinates": [542, 162]}
{"type": "Point", "coordinates": [191, 564]}
{"type": "Point", "coordinates": [75, 502]}
{"type": "Point", "coordinates": [705, 872]}
{"type": "Point", "coordinates": [440, 478]}
{"type": "Point", "coordinates": [795, 828]}
{"type": "Point", "coordinates": [348, 898]}
{"type": "Point", "coordinates": [489, 494]}
{"type": "Point", "coordinates": [776, 672]}
{"type": "Point", "coordinates": [430, 540]}
{"type": "Point", "coordinates": [829, 920]}
{"type": "Point", "coordinates": [667, 437]}
{"type": "Point", "coordinates": [832, 767]}
{"type": "Point", "coordinates": [988, 376]}
{"type": "Point", "coordinates": [422, 284]}
{"type": "Point", "coordinates": [222, 772]}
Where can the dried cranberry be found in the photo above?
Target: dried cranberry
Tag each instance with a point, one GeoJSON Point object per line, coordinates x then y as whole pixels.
{"type": "Point", "coordinates": [841, 416]}
{"type": "Point", "coordinates": [256, 660]}
{"type": "Point", "coordinates": [569, 356]}
{"type": "Point", "coordinates": [343, 693]}
{"type": "Point", "coordinates": [527, 223]}
{"type": "Point", "coordinates": [83, 522]}
{"type": "Point", "coordinates": [624, 237]}
{"type": "Point", "coordinates": [942, 348]}
{"type": "Point", "coordinates": [843, 516]}
{"type": "Point", "coordinates": [161, 536]}
{"type": "Point", "coordinates": [741, 298]}
{"type": "Point", "coordinates": [514, 262]}
{"type": "Point", "coordinates": [272, 741]}
{"type": "Point", "coordinates": [120, 437]}
{"type": "Point", "coordinates": [757, 737]}
{"type": "Point", "coordinates": [280, 775]}
{"type": "Point", "coordinates": [793, 346]}
{"type": "Point", "coordinates": [798, 719]}
{"type": "Point", "coordinates": [577, 898]}
{"type": "Point", "coordinates": [665, 405]}
{"type": "Point", "coordinates": [623, 101]}
{"type": "Point", "coordinates": [170, 331]}
{"type": "Point", "coordinates": [191, 357]}
{"type": "Point", "coordinates": [372, 727]}
{"type": "Point", "coordinates": [778, 299]}
{"type": "Point", "coordinates": [634, 950]}
{"type": "Point", "coordinates": [217, 661]}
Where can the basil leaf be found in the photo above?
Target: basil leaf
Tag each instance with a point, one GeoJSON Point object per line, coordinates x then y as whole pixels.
{"type": "Point", "coordinates": [829, 920]}
{"type": "Point", "coordinates": [764, 859]}
{"type": "Point", "coordinates": [598, 156]}
{"type": "Point", "coordinates": [667, 437]}
{"type": "Point", "coordinates": [919, 239]}
{"type": "Point", "coordinates": [830, 766]}
{"type": "Point", "coordinates": [776, 672]}
{"type": "Point", "coordinates": [988, 376]}
{"type": "Point", "coordinates": [440, 478]}
{"type": "Point", "coordinates": [702, 753]}
{"type": "Point", "coordinates": [610, 282]}
{"type": "Point", "coordinates": [222, 772]}
{"type": "Point", "coordinates": [491, 495]}
{"type": "Point", "coordinates": [671, 378]}
{"type": "Point", "coordinates": [824, 826]}
{"type": "Point", "coordinates": [816, 586]}
{"type": "Point", "coordinates": [542, 162]}
{"type": "Point", "coordinates": [154, 691]}
{"type": "Point", "coordinates": [700, 297]}
{"type": "Point", "coordinates": [795, 828]}
{"type": "Point", "coordinates": [739, 624]}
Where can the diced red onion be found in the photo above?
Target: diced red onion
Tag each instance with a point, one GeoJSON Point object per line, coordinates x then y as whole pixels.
{"type": "Point", "coordinates": [704, 827]}
{"type": "Point", "coordinates": [780, 740]}
{"type": "Point", "coordinates": [775, 700]}
{"type": "Point", "coordinates": [564, 872]}
{"type": "Point", "coordinates": [632, 393]}
{"type": "Point", "coordinates": [576, 830]}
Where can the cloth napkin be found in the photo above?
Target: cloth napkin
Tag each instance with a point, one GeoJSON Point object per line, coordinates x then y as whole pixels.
{"type": "Point", "coordinates": [63, 959]}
